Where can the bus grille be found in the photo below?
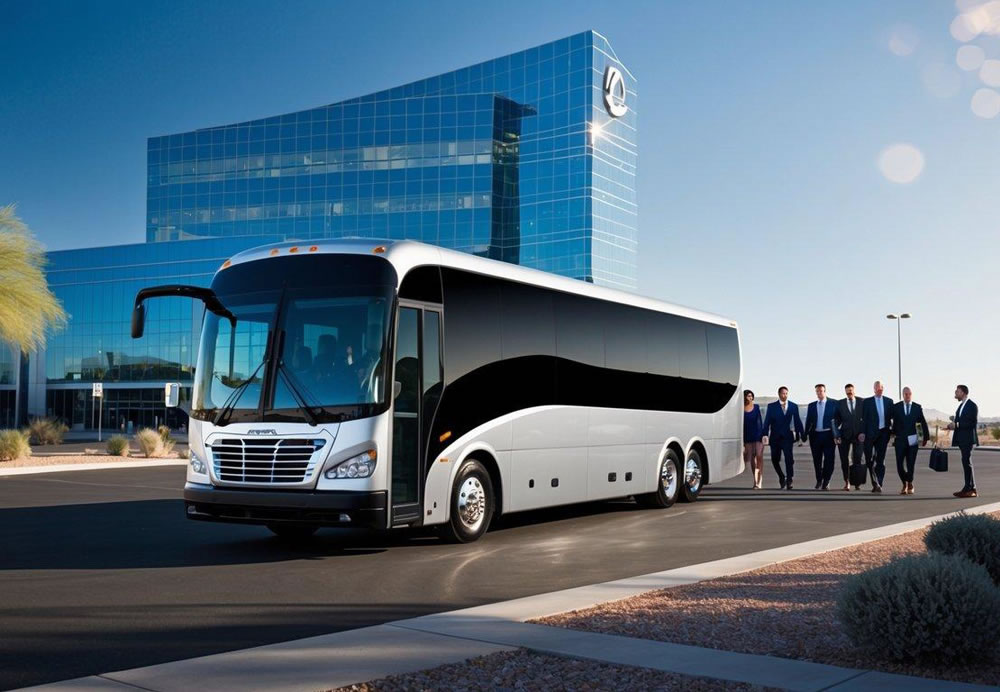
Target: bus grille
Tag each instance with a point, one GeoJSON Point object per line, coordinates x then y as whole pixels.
{"type": "Point", "coordinates": [264, 460]}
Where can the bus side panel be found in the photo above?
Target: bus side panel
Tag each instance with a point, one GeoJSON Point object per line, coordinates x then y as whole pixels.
{"type": "Point", "coordinates": [615, 439]}
{"type": "Point", "coordinates": [547, 477]}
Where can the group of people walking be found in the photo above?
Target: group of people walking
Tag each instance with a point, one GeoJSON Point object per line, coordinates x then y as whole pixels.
{"type": "Point", "coordinates": [856, 427]}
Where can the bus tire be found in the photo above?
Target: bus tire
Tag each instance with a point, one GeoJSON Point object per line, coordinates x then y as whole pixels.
{"type": "Point", "coordinates": [292, 532]}
{"type": "Point", "coordinates": [472, 503]}
{"type": "Point", "coordinates": [668, 485]}
{"type": "Point", "coordinates": [694, 475]}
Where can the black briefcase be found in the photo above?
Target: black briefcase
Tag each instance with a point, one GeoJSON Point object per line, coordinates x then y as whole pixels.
{"type": "Point", "coordinates": [939, 460]}
{"type": "Point", "coordinates": [858, 474]}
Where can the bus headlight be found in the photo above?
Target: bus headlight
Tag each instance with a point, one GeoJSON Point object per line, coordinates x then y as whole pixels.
{"type": "Point", "coordinates": [197, 465]}
{"type": "Point", "coordinates": [361, 466]}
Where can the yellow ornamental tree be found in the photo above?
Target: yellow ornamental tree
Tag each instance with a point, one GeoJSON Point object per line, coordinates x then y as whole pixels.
{"type": "Point", "coordinates": [27, 306]}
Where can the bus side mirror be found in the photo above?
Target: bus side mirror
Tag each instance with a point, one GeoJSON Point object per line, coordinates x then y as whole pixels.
{"type": "Point", "coordinates": [172, 394]}
{"type": "Point", "coordinates": [138, 320]}
{"type": "Point", "coordinates": [397, 387]}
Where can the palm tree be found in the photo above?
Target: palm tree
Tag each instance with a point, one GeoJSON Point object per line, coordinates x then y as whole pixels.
{"type": "Point", "coordinates": [27, 306]}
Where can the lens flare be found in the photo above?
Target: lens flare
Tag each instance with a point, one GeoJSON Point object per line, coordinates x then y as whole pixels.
{"type": "Point", "coordinates": [901, 163]}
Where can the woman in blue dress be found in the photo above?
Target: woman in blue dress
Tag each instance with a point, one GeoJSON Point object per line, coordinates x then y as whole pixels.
{"type": "Point", "coordinates": [753, 440]}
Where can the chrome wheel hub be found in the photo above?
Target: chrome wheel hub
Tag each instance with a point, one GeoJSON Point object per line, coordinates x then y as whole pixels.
{"type": "Point", "coordinates": [472, 503]}
{"type": "Point", "coordinates": [668, 477]}
{"type": "Point", "coordinates": [692, 474]}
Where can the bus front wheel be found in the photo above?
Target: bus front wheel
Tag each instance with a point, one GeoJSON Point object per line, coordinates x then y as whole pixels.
{"type": "Point", "coordinates": [668, 486]}
{"type": "Point", "coordinates": [472, 504]}
{"type": "Point", "coordinates": [694, 475]}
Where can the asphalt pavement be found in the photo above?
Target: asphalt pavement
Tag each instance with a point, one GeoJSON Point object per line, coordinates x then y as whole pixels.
{"type": "Point", "coordinates": [100, 570]}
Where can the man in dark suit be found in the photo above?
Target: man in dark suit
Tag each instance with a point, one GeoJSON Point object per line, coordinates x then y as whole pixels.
{"type": "Point", "coordinates": [877, 414]}
{"type": "Point", "coordinates": [821, 432]}
{"type": "Point", "coordinates": [966, 436]}
{"type": "Point", "coordinates": [911, 431]}
{"type": "Point", "coordinates": [850, 418]}
{"type": "Point", "coordinates": [782, 428]}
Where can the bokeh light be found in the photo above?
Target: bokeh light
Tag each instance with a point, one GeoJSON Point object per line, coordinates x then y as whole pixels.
{"type": "Point", "coordinates": [903, 40]}
{"type": "Point", "coordinates": [970, 57]}
{"type": "Point", "coordinates": [986, 103]}
{"type": "Point", "coordinates": [989, 73]}
{"type": "Point", "coordinates": [901, 163]}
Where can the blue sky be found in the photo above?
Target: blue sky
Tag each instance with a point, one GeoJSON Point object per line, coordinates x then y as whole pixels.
{"type": "Point", "coordinates": [761, 125]}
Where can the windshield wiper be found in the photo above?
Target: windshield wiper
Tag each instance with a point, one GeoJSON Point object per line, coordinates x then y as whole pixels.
{"type": "Point", "coordinates": [306, 408]}
{"type": "Point", "coordinates": [230, 403]}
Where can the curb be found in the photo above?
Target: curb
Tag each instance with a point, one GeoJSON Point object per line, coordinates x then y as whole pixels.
{"type": "Point", "coordinates": [96, 466]}
{"type": "Point", "coordinates": [403, 646]}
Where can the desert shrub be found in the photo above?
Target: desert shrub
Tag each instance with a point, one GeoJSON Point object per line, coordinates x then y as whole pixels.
{"type": "Point", "coordinates": [118, 446]}
{"type": "Point", "coordinates": [167, 447]}
{"type": "Point", "coordinates": [45, 431]}
{"type": "Point", "coordinates": [933, 607]}
{"type": "Point", "coordinates": [995, 431]}
{"type": "Point", "coordinates": [150, 442]}
{"type": "Point", "coordinates": [974, 536]}
{"type": "Point", "coordinates": [164, 432]}
{"type": "Point", "coordinates": [13, 445]}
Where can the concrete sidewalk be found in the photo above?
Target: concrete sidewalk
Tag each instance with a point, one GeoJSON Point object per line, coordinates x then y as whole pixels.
{"type": "Point", "coordinates": [355, 656]}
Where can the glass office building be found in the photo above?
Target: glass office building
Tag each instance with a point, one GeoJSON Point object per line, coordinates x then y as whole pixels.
{"type": "Point", "coordinates": [518, 158]}
{"type": "Point", "coordinates": [529, 158]}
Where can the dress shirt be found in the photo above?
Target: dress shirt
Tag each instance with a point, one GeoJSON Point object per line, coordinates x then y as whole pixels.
{"type": "Point", "coordinates": [820, 409]}
{"type": "Point", "coordinates": [881, 412]}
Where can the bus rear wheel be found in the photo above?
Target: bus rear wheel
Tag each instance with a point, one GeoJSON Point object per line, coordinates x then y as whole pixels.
{"type": "Point", "coordinates": [292, 532]}
{"type": "Point", "coordinates": [668, 485]}
{"type": "Point", "coordinates": [694, 474]}
{"type": "Point", "coordinates": [472, 504]}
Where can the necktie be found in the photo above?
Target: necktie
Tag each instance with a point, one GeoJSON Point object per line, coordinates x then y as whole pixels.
{"type": "Point", "coordinates": [850, 405]}
{"type": "Point", "coordinates": [907, 409]}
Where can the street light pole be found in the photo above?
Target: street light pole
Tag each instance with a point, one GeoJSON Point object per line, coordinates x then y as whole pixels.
{"type": "Point", "coordinates": [899, 347]}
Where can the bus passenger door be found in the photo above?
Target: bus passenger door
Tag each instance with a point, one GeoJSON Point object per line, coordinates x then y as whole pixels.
{"type": "Point", "coordinates": [418, 378]}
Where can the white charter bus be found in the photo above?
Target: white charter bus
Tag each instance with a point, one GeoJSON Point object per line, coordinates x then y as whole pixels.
{"type": "Point", "coordinates": [390, 384]}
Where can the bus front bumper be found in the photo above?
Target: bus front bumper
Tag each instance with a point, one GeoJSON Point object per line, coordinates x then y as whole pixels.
{"type": "Point", "coordinates": [344, 508]}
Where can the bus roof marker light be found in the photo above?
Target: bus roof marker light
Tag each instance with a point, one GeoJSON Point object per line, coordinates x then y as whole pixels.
{"type": "Point", "coordinates": [379, 249]}
{"type": "Point", "coordinates": [274, 252]}
{"type": "Point", "coordinates": [313, 248]}
{"type": "Point", "coordinates": [444, 436]}
{"type": "Point", "coordinates": [227, 264]}
{"type": "Point", "coordinates": [294, 248]}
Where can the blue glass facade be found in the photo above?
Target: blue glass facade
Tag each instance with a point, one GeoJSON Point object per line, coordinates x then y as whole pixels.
{"type": "Point", "coordinates": [522, 158]}
{"type": "Point", "coordinates": [516, 159]}
{"type": "Point", "coordinates": [97, 287]}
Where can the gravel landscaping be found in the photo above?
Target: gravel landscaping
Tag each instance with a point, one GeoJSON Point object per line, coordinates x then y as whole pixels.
{"type": "Point", "coordinates": [783, 610]}
{"type": "Point", "coordinates": [59, 459]}
{"type": "Point", "coordinates": [524, 670]}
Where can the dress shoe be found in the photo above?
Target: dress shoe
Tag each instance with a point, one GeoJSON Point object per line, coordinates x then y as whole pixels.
{"type": "Point", "coordinates": [876, 488]}
{"type": "Point", "coordinates": [825, 487]}
{"type": "Point", "coordinates": [789, 486]}
{"type": "Point", "coordinates": [909, 488]}
{"type": "Point", "coordinates": [967, 493]}
{"type": "Point", "coordinates": [818, 485]}
{"type": "Point", "coordinates": [904, 491]}
{"type": "Point", "coordinates": [847, 487]}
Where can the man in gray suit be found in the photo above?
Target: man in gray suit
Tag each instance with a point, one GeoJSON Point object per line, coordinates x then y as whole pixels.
{"type": "Point", "coordinates": [850, 418]}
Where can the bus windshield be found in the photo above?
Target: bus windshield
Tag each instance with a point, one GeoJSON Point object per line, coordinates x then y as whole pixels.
{"type": "Point", "coordinates": [320, 350]}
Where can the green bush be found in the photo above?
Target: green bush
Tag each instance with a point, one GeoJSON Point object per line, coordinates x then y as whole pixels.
{"type": "Point", "coordinates": [973, 536]}
{"type": "Point", "coordinates": [13, 445]}
{"type": "Point", "coordinates": [118, 446]}
{"type": "Point", "coordinates": [932, 607]}
{"type": "Point", "coordinates": [45, 431]}
{"type": "Point", "coordinates": [150, 442]}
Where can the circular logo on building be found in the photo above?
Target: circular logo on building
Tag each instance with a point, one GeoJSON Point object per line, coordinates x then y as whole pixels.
{"type": "Point", "coordinates": [614, 92]}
